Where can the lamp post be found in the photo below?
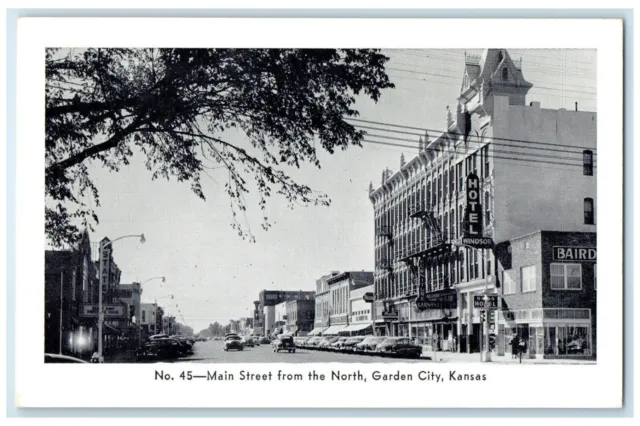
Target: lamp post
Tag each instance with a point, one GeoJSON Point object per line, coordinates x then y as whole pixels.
{"type": "Point", "coordinates": [100, 313]}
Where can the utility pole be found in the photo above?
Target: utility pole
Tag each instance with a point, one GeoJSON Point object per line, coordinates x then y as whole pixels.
{"type": "Point", "coordinates": [60, 326]}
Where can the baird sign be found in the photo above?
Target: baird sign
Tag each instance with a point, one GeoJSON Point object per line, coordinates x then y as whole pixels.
{"type": "Point", "coordinates": [584, 254]}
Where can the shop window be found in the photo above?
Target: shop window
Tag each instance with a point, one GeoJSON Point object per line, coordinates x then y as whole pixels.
{"type": "Point", "coordinates": [588, 211]}
{"type": "Point", "coordinates": [528, 277]}
{"type": "Point", "coordinates": [566, 276]}
{"type": "Point", "coordinates": [567, 340]}
{"type": "Point", "coordinates": [587, 162]}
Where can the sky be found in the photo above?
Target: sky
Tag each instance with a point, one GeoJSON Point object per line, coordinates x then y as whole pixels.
{"type": "Point", "coordinates": [213, 275]}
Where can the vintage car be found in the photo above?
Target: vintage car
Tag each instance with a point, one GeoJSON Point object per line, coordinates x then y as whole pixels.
{"type": "Point", "coordinates": [62, 359]}
{"type": "Point", "coordinates": [399, 347]}
{"type": "Point", "coordinates": [161, 348]}
{"type": "Point", "coordinates": [284, 343]}
{"type": "Point", "coordinates": [327, 341]}
{"type": "Point", "coordinates": [233, 341]}
{"type": "Point", "coordinates": [247, 341]}
{"type": "Point", "coordinates": [368, 344]}
{"type": "Point", "coordinates": [337, 345]}
{"type": "Point", "coordinates": [313, 342]}
{"type": "Point", "coordinates": [351, 342]}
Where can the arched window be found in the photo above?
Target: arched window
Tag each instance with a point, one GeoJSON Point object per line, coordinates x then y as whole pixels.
{"type": "Point", "coordinates": [587, 162]}
{"type": "Point", "coordinates": [505, 73]}
{"type": "Point", "coordinates": [588, 211]}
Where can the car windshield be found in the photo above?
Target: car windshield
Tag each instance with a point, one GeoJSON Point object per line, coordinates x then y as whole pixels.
{"type": "Point", "coordinates": [233, 337]}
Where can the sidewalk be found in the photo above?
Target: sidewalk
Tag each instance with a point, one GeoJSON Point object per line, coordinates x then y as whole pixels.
{"type": "Point", "coordinates": [120, 358]}
{"type": "Point", "coordinates": [504, 359]}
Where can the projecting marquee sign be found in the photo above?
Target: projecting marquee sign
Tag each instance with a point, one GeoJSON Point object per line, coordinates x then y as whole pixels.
{"type": "Point", "coordinates": [473, 231]}
{"type": "Point", "coordinates": [446, 300]}
{"type": "Point", "coordinates": [110, 311]}
{"type": "Point", "coordinates": [422, 302]}
{"type": "Point", "coordinates": [573, 254]}
{"type": "Point", "coordinates": [473, 222]}
{"type": "Point", "coordinates": [491, 302]}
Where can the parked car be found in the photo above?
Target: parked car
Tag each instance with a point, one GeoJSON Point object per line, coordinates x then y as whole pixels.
{"type": "Point", "coordinates": [248, 341]}
{"type": "Point", "coordinates": [264, 340]}
{"type": "Point", "coordinates": [284, 343]}
{"type": "Point", "coordinates": [351, 342]}
{"type": "Point", "coordinates": [337, 345]}
{"type": "Point", "coordinates": [577, 346]}
{"type": "Point", "coordinates": [233, 341]}
{"type": "Point", "coordinates": [400, 347]}
{"type": "Point", "coordinates": [62, 359]}
{"type": "Point", "coordinates": [368, 344]}
{"type": "Point", "coordinates": [326, 341]}
{"type": "Point", "coordinates": [159, 336]}
{"type": "Point", "coordinates": [313, 342]}
{"type": "Point", "coordinates": [160, 348]}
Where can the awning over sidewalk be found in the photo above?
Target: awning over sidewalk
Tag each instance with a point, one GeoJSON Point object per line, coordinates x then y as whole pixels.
{"type": "Point", "coordinates": [355, 327]}
{"type": "Point", "coordinates": [334, 330]}
{"type": "Point", "coordinates": [111, 330]}
{"type": "Point", "coordinates": [316, 331]}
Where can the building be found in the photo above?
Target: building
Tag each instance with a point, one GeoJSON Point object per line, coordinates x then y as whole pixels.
{"type": "Point", "coordinates": [360, 312]}
{"type": "Point", "coordinates": [130, 295]}
{"type": "Point", "coordinates": [269, 298]}
{"type": "Point", "coordinates": [269, 320]}
{"type": "Point", "coordinates": [321, 321]}
{"type": "Point", "coordinates": [420, 210]}
{"type": "Point", "coordinates": [257, 319]}
{"type": "Point", "coordinates": [548, 293]}
{"type": "Point", "coordinates": [148, 320]}
{"type": "Point", "coordinates": [340, 288]}
{"type": "Point", "coordinates": [68, 283]}
{"type": "Point", "coordinates": [300, 316]}
{"type": "Point", "coordinates": [280, 311]}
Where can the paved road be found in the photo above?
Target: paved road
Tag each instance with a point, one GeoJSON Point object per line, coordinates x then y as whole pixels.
{"type": "Point", "coordinates": [211, 352]}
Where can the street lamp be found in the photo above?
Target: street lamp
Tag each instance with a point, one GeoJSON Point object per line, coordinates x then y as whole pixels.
{"type": "Point", "coordinates": [100, 313]}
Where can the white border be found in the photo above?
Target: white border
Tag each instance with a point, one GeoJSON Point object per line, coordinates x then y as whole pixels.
{"type": "Point", "coordinates": [38, 385]}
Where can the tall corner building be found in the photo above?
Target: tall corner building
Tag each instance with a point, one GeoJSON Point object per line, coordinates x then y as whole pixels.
{"type": "Point", "coordinates": [537, 174]}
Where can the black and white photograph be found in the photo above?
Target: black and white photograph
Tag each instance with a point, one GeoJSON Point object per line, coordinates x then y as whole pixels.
{"type": "Point", "coordinates": [318, 213]}
{"type": "Point", "coordinates": [321, 205]}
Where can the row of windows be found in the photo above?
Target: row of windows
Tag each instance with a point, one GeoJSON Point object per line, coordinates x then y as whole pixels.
{"type": "Point", "coordinates": [564, 276]}
{"type": "Point", "coordinates": [442, 273]}
{"type": "Point", "coordinates": [436, 190]}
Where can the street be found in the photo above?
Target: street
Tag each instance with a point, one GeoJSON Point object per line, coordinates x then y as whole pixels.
{"type": "Point", "coordinates": [212, 352]}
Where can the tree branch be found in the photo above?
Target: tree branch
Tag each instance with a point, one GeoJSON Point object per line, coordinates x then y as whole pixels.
{"type": "Point", "coordinates": [95, 149]}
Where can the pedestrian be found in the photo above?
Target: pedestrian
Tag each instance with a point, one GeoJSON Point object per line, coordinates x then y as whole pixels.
{"type": "Point", "coordinates": [514, 346]}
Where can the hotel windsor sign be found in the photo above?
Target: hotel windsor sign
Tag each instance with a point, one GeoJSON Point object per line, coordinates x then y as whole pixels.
{"type": "Point", "coordinates": [473, 223]}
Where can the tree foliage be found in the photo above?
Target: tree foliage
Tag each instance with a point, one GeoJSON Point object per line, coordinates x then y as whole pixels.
{"type": "Point", "coordinates": [175, 105]}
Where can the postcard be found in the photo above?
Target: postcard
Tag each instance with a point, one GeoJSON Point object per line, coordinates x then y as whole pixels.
{"type": "Point", "coordinates": [400, 213]}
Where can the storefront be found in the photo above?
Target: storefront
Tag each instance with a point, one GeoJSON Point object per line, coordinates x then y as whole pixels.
{"type": "Point", "coordinates": [548, 332]}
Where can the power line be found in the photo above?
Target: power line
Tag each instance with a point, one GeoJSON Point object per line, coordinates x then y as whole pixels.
{"type": "Point", "coordinates": [526, 160]}
{"type": "Point", "coordinates": [452, 77]}
{"type": "Point", "coordinates": [460, 134]}
{"type": "Point", "coordinates": [533, 89]}
{"type": "Point", "coordinates": [478, 140]}
{"type": "Point", "coordinates": [457, 59]}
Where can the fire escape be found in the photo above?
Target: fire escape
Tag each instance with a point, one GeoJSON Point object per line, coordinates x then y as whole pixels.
{"type": "Point", "coordinates": [417, 255]}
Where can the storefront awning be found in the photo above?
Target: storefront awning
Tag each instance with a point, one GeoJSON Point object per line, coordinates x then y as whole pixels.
{"type": "Point", "coordinates": [109, 329]}
{"type": "Point", "coordinates": [316, 331]}
{"type": "Point", "coordinates": [355, 327]}
{"type": "Point", "coordinates": [334, 330]}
